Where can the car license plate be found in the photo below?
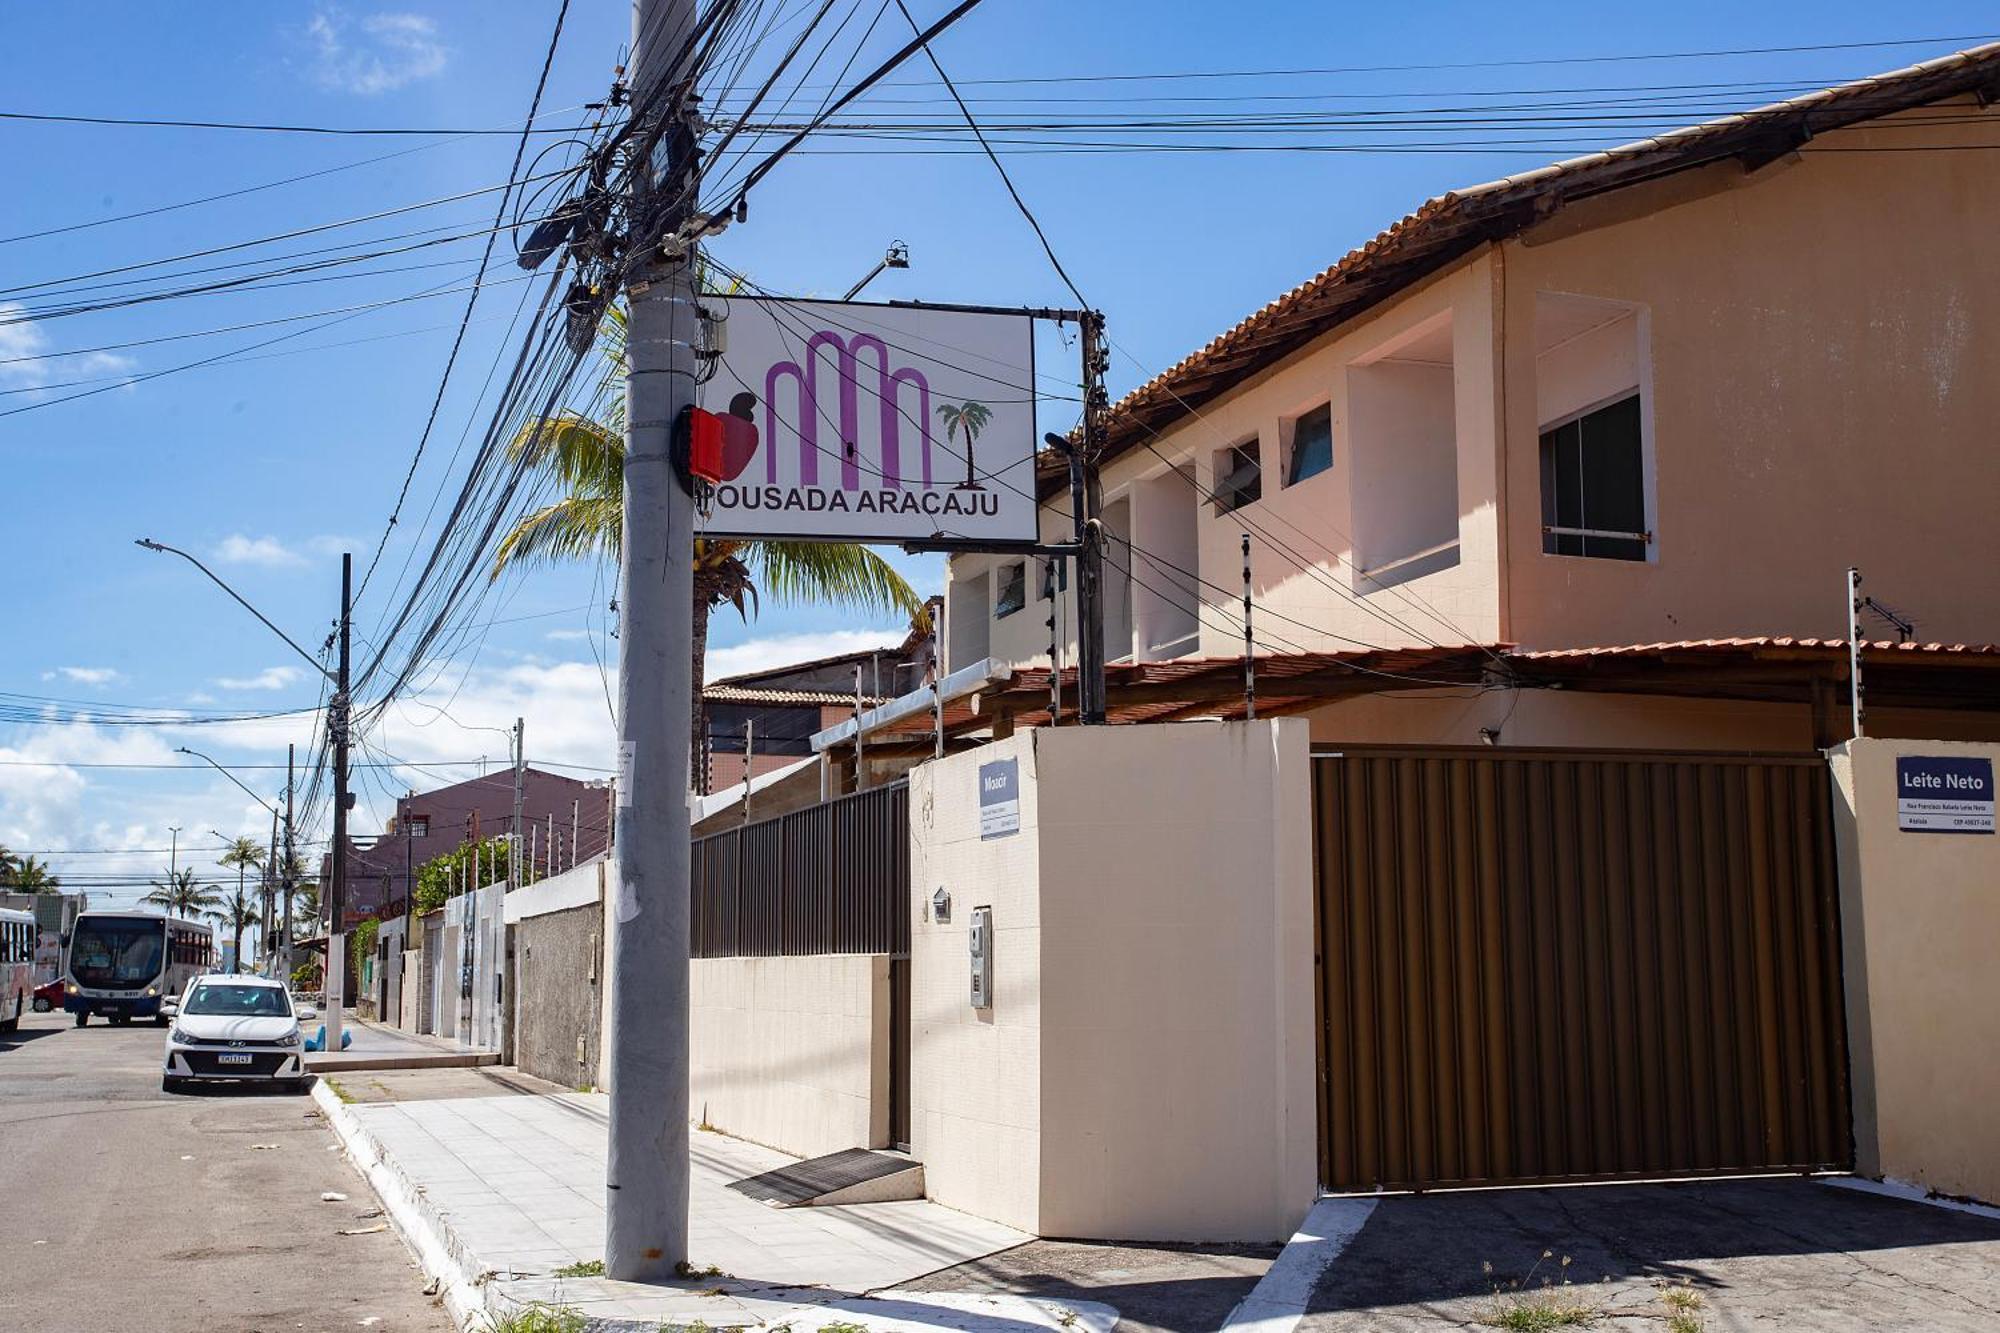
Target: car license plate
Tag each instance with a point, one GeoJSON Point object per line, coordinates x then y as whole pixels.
{"type": "Point", "coordinates": [233, 1058]}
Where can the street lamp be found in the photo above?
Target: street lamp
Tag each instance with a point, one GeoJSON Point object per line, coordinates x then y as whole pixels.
{"type": "Point", "coordinates": [898, 256]}
{"type": "Point", "coordinates": [337, 727]}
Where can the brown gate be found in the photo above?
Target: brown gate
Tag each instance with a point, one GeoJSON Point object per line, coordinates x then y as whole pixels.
{"type": "Point", "coordinates": [1542, 965]}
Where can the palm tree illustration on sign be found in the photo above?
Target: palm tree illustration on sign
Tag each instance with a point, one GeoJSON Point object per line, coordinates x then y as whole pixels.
{"type": "Point", "coordinates": [966, 419]}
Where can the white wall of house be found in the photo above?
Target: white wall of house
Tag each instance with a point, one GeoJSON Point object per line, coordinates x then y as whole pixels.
{"type": "Point", "coordinates": [792, 1053]}
{"type": "Point", "coordinates": [1146, 1068]}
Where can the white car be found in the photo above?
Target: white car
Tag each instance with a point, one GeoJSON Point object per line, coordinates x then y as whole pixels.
{"type": "Point", "coordinates": [230, 1028]}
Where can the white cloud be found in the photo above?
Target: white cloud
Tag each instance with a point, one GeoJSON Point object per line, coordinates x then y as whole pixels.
{"type": "Point", "coordinates": [783, 649]}
{"type": "Point", "coordinates": [377, 54]}
{"type": "Point", "coordinates": [570, 635]}
{"type": "Point", "coordinates": [83, 675]}
{"type": "Point", "coordinates": [26, 363]}
{"type": "Point", "coordinates": [270, 678]}
{"type": "Point", "coordinates": [238, 549]}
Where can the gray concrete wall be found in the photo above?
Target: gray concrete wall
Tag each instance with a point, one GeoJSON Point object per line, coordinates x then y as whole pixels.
{"type": "Point", "coordinates": [558, 1017]}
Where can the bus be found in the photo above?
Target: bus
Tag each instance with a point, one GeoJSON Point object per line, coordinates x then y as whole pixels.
{"type": "Point", "coordinates": [17, 965]}
{"type": "Point", "coordinates": [125, 965]}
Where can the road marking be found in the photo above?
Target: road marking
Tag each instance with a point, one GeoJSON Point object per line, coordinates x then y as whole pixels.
{"type": "Point", "coordinates": [1279, 1299]}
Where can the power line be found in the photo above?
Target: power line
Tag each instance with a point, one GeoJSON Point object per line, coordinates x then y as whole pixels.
{"type": "Point", "coordinates": [137, 122]}
{"type": "Point", "coordinates": [471, 300]}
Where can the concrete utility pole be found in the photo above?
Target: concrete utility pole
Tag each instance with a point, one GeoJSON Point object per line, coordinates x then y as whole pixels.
{"type": "Point", "coordinates": [339, 723]}
{"type": "Point", "coordinates": [173, 854]}
{"type": "Point", "coordinates": [291, 753]}
{"type": "Point", "coordinates": [646, 1231]}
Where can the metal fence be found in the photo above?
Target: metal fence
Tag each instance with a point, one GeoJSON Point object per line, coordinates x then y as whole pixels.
{"type": "Point", "coordinates": [832, 878]}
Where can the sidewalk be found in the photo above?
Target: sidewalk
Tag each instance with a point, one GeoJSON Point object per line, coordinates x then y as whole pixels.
{"type": "Point", "coordinates": [379, 1046]}
{"type": "Point", "coordinates": [497, 1194]}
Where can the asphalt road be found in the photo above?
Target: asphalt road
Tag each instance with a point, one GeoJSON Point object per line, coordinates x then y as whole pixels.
{"type": "Point", "coordinates": [130, 1209]}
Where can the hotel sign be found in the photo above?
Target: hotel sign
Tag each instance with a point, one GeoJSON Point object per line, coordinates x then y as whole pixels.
{"type": "Point", "coordinates": [1938, 794]}
{"type": "Point", "coordinates": [873, 423]}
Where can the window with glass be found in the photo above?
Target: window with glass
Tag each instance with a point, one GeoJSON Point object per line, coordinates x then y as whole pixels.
{"type": "Point", "coordinates": [1239, 477]}
{"type": "Point", "coordinates": [1312, 444]}
{"type": "Point", "coordinates": [1011, 593]}
{"type": "Point", "coordinates": [1594, 484]}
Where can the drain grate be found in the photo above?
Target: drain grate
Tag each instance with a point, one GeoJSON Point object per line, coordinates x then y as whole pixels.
{"type": "Point", "coordinates": [805, 1181]}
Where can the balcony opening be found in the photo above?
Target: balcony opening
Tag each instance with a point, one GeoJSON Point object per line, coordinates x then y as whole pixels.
{"type": "Point", "coordinates": [1403, 408]}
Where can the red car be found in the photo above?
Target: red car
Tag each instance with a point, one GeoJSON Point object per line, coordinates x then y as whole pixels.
{"type": "Point", "coordinates": [48, 996]}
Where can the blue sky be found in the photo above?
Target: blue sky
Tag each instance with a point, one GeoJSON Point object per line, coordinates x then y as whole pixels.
{"type": "Point", "coordinates": [271, 466]}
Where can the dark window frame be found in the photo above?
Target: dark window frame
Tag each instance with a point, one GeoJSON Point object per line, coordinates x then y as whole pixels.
{"type": "Point", "coordinates": [1296, 456]}
{"type": "Point", "coordinates": [1593, 469]}
{"type": "Point", "coordinates": [1010, 589]}
{"type": "Point", "coordinates": [1239, 476]}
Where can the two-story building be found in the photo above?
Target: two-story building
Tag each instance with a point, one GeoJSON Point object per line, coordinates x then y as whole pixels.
{"type": "Point", "coordinates": [1671, 391]}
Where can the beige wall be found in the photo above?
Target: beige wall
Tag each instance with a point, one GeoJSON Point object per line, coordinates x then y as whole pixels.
{"type": "Point", "coordinates": [1146, 1070]}
{"type": "Point", "coordinates": [976, 1075]}
{"type": "Point", "coordinates": [1921, 921]}
{"type": "Point", "coordinates": [1821, 336]}
{"type": "Point", "coordinates": [792, 1053]}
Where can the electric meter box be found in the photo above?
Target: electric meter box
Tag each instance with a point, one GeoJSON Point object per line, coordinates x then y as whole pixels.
{"type": "Point", "coordinates": [979, 948]}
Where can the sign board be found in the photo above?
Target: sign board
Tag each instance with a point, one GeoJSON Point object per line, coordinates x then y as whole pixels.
{"type": "Point", "coordinates": [873, 423]}
{"type": "Point", "coordinates": [999, 798]}
{"type": "Point", "coordinates": [1944, 794]}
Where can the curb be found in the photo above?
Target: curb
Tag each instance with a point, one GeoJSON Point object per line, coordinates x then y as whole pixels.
{"type": "Point", "coordinates": [1281, 1296]}
{"type": "Point", "coordinates": [408, 1210]}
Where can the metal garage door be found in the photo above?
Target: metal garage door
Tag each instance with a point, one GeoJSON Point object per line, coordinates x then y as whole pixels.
{"type": "Point", "coordinates": [1554, 965]}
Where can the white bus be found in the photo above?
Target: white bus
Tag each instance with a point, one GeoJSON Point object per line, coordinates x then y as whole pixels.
{"type": "Point", "coordinates": [17, 965]}
{"type": "Point", "coordinates": [125, 965]}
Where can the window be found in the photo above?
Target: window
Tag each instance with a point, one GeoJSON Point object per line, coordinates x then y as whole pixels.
{"type": "Point", "coordinates": [1239, 477]}
{"type": "Point", "coordinates": [420, 826]}
{"type": "Point", "coordinates": [1312, 445]}
{"type": "Point", "coordinates": [1055, 578]}
{"type": "Point", "coordinates": [1011, 594]}
{"type": "Point", "coordinates": [1593, 485]}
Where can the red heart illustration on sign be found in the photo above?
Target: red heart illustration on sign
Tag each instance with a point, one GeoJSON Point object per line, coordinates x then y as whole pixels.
{"type": "Point", "coordinates": [739, 435]}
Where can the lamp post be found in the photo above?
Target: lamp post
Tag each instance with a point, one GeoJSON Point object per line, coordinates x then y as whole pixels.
{"type": "Point", "coordinates": [338, 719]}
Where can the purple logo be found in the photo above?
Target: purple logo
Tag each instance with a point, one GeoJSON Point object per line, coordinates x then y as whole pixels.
{"type": "Point", "coordinates": [846, 354]}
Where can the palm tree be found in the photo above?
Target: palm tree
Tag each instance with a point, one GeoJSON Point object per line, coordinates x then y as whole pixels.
{"type": "Point", "coordinates": [243, 853]}
{"type": "Point", "coordinates": [7, 863]}
{"type": "Point", "coordinates": [31, 876]}
{"type": "Point", "coordinates": [586, 454]}
{"type": "Point", "coordinates": [966, 419]}
{"type": "Point", "coordinates": [179, 894]}
{"type": "Point", "coordinates": [236, 915]}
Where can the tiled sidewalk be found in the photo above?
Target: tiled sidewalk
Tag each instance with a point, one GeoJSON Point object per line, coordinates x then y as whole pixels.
{"type": "Point", "coordinates": [521, 1180]}
{"type": "Point", "coordinates": [498, 1193]}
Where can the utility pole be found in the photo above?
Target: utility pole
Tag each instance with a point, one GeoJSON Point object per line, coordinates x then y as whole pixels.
{"type": "Point", "coordinates": [646, 1214]}
{"type": "Point", "coordinates": [1088, 489]}
{"type": "Point", "coordinates": [173, 854]}
{"type": "Point", "coordinates": [339, 724]}
{"type": "Point", "coordinates": [269, 919]}
{"type": "Point", "coordinates": [291, 752]}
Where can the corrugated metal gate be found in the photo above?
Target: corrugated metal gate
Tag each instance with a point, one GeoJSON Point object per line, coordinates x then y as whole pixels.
{"type": "Point", "coordinates": [1543, 965]}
